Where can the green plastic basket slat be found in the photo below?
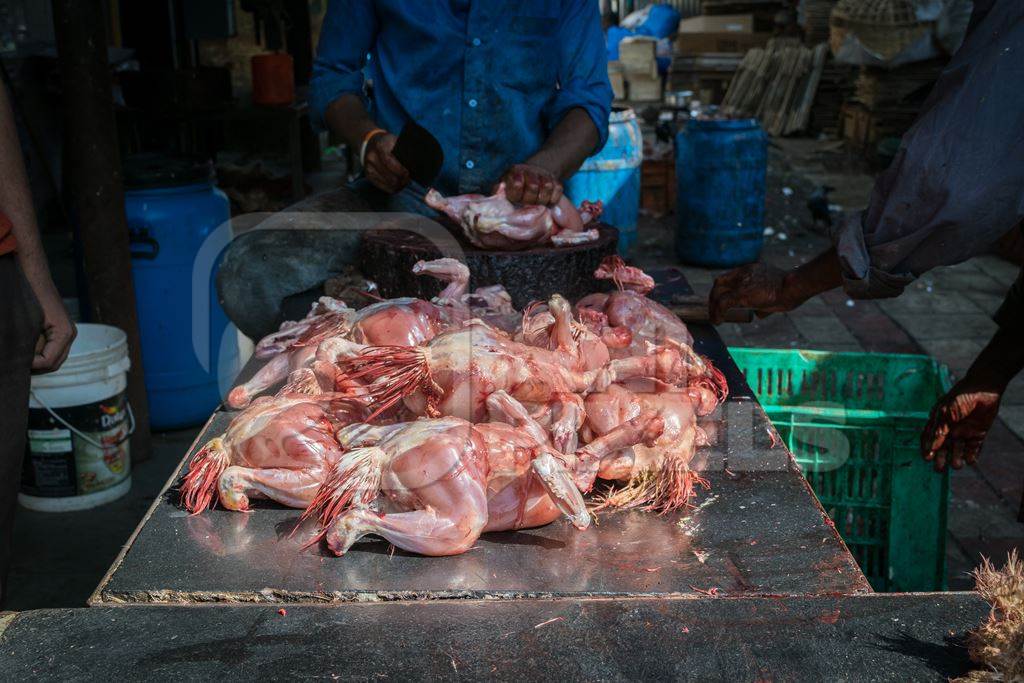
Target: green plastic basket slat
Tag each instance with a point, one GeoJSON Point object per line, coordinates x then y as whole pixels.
{"type": "Point", "coordinates": [852, 422]}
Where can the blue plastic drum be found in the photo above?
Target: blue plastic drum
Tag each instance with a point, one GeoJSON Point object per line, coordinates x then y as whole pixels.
{"type": "Point", "coordinates": [189, 349]}
{"type": "Point", "coordinates": [613, 176]}
{"type": "Point", "coordinates": [721, 171]}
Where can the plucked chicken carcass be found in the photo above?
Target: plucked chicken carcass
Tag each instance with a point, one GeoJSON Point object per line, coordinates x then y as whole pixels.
{"type": "Point", "coordinates": [654, 476]}
{"type": "Point", "coordinates": [434, 485]}
{"type": "Point", "coordinates": [626, 318]}
{"type": "Point", "coordinates": [392, 322]}
{"type": "Point", "coordinates": [630, 324]}
{"type": "Point", "coordinates": [496, 223]}
{"type": "Point", "coordinates": [278, 448]}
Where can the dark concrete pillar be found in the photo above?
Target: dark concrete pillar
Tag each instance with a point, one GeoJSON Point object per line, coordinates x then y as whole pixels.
{"type": "Point", "coordinates": [95, 185]}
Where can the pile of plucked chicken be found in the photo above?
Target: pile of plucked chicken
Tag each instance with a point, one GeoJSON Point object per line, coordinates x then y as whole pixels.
{"type": "Point", "coordinates": [429, 423]}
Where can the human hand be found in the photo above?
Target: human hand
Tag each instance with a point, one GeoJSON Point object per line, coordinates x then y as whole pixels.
{"type": "Point", "coordinates": [530, 184]}
{"type": "Point", "coordinates": [380, 165]}
{"type": "Point", "coordinates": [959, 423]}
{"type": "Point", "coordinates": [54, 341]}
{"type": "Point", "coordinates": [757, 286]}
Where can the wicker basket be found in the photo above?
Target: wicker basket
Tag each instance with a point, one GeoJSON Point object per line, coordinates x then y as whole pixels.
{"type": "Point", "coordinates": [884, 27]}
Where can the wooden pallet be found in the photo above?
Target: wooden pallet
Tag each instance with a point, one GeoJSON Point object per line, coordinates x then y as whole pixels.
{"type": "Point", "coordinates": [777, 85]}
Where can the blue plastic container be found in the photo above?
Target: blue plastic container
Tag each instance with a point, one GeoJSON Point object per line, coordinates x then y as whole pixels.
{"type": "Point", "coordinates": [661, 21]}
{"type": "Point", "coordinates": [721, 170]}
{"type": "Point", "coordinates": [613, 176]}
{"type": "Point", "coordinates": [189, 349]}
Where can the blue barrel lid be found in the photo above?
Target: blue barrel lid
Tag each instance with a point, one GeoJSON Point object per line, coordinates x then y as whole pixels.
{"type": "Point", "coordinates": [723, 124]}
{"type": "Point", "coordinates": [152, 171]}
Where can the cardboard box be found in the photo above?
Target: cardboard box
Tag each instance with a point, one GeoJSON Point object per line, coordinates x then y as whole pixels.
{"type": "Point", "coordinates": [638, 55]}
{"type": "Point", "coordinates": [720, 33]}
{"type": "Point", "coordinates": [617, 79]}
{"type": "Point", "coordinates": [644, 88]}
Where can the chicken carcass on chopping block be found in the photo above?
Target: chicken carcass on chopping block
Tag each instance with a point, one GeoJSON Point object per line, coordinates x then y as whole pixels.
{"type": "Point", "coordinates": [391, 322]}
{"type": "Point", "coordinates": [496, 223]}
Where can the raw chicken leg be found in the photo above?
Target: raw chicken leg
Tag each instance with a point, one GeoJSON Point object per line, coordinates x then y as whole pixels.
{"type": "Point", "coordinates": [496, 223]}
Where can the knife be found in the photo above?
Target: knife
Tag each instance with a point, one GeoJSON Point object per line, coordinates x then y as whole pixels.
{"type": "Point", "coordinates": [420, 152]}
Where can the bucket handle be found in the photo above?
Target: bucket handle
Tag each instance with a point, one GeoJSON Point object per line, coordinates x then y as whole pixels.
{"type": "Point", "coordinates": [85, 437]}
{"type": "Point", "coordinates": [143, 245]}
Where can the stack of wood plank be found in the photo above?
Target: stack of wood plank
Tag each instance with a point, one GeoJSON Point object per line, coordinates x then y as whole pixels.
{"type": "Point", "coordinates": [777, 85]}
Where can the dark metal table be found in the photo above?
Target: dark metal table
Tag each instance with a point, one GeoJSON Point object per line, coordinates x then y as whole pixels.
{"type": "Point", "coordinates": [628, 599]}
{"type": "Point", "coordinates": [758, 531]}
{"type": "Point", "coordinates": [869, 637]}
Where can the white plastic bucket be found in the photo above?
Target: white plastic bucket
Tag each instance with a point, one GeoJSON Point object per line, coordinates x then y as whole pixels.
{"type": "Point", "coordinates": [79, 423]}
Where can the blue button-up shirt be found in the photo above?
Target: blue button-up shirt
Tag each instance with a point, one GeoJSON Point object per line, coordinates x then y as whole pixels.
{"type": "Point", "coordinates": [490, 79]}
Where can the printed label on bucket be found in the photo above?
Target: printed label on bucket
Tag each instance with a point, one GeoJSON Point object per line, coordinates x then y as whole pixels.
{"type": "Point", "coordinates": [59, 463]}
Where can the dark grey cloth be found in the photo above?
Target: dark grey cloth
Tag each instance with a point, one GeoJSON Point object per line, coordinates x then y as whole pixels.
{"type": "Point", "coordinates": [957, 182]}
{"type": "Point", "coordinates": [20, 323]}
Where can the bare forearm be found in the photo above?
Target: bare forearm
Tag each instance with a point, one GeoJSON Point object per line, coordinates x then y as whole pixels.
{"type": "Point", "coordinates": [347, 118]}
{"type": "Point", "coordinates": [815, 277]}
{"type": "Point", "coordinates": [570, 143]}
{"type": "Point", "coordinates": [16, 203]}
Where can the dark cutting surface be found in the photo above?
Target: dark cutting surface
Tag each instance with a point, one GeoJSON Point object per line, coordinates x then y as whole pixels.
{"type": "Point", "coordinates": [759, 530]}
{"type": "Point", "coordinates": [870, 638]}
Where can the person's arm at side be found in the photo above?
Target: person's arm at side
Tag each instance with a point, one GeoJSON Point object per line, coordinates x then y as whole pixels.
{"type": "Point", "coordinates": [337, 100]}
{"type": "Point", "coordinates": [578, 112]}
{"type": "Point", "coordinates": [961, 419]}
{"type": "Point", "coordinates": [767, 289]}
{"type": "Point", "coordinates": [16, 203]}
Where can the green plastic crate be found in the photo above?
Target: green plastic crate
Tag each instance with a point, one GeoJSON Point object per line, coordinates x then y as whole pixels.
{"type": "Point", "coordinates": [853, 421]}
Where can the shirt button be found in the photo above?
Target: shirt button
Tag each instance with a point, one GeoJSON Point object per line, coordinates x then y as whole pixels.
{"type": "Point", "coordinates": [472, 104]}
{"type": "Point", "coordinates": [470, 164]}
{"type": "Point", "coordinates": [476, 42]}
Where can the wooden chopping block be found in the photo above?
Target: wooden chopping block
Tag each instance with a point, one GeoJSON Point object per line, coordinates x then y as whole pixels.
{"type": "Point", "coordinates": [694, 309]}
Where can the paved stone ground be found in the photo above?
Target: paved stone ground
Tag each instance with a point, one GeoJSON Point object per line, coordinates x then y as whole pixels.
{"type": "Point", "coordinates": [945, 315]}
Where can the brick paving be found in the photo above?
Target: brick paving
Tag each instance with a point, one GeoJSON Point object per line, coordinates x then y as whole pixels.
{"type": "Point", "coordinates": [945, 314]}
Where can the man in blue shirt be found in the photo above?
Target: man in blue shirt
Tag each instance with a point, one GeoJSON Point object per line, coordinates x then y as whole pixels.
{"type": "Point", "coordinates": [513, 91]}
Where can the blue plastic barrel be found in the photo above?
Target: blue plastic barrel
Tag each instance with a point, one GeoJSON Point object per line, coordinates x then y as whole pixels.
{"type": "Point", "coordinates": [721, 170]}
{"type": "Point", "coordinates": [613, 176]}
{"type": "Point", "coordinates": [189, 349]}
